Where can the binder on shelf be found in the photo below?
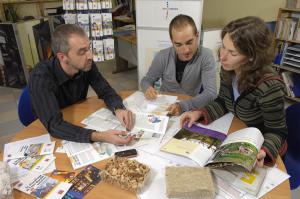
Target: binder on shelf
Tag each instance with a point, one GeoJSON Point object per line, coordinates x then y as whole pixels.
{"type": "Point", "coordinates": [291, 56]}
{"type": "Point", "coordinates": [287, 81]}
{"type": "Point", "coordinates": [286, 28]}
{"type": "Point", "coordinates": [287, 42]}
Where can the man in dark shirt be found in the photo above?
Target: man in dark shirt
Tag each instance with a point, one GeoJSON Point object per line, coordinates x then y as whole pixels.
{"type": "Point", "coordinates": [64, 80]}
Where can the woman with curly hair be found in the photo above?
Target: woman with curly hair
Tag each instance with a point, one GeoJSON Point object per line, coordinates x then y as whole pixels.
{"type": "Point", "coordinates": [250, 88]}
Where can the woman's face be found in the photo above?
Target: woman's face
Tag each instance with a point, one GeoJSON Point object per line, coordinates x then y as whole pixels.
{"type": "Point", "coordinates": [230, 58]}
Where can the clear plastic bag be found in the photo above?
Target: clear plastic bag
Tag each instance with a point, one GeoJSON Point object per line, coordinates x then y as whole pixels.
{"type": "Point", "coordinates": [5, 185]}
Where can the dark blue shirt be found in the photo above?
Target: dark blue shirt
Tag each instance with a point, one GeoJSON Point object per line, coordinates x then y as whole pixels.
{"type": "Point", "coordinates": [51, 89]}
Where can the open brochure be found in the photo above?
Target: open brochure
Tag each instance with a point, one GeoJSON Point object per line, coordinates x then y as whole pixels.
{"type": "Point", "coordinates": [211, 148]}
{"type": "Point", "coordinates": [82, 154]}
{"type": "Point", "coordinates": [27, 149]}
{"type": "Point", "coordinates": [40, 145]}
{"type": "Point", "coordinates": [230, 190]}
{"type": "Point", "coordinates": [41, 186]}
{"type": "Point", "coordinates": [149, 124]}
{"type": "Point", "coordinates": [249, 182]}
{"type": "Point", "coordinates": [35, 163]}
{"type": "Point", "coordinates": [138, 103]}
{"type": "Point", "coordinates": [239, 148]}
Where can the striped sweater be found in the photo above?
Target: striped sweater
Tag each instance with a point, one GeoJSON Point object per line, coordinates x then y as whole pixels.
{"type": "Point", "coordinates": [262, 107]}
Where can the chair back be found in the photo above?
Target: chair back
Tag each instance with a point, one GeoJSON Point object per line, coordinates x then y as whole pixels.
{"type": "Point", "coordinates": [292, 156]}
{"type": "Point", "coordinates": [293, 125]}
{"type": "Point", "coordinates": [26, 115]}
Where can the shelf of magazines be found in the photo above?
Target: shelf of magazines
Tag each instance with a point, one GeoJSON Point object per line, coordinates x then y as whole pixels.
{"type": "Point", "coordinates": [95, 17]}
{"type": "Point", "coordinates": [290, 76]}
{"type": "Point", "coordinates": [288, 68]}
{"type": "Point", "coordinates": [294, 99]}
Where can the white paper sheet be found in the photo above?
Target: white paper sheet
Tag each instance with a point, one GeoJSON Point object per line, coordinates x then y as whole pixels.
{"type": "Point", "coordinates": [17, 144]}
{"type": "Point", "coordinates": [28, 149]}
{"type": "Point", "coordinates": [274, 177]}
{"type": "Point", "coordinates": [222, 124]}
{"type": "Point", "coordinates": [82, 154]}
{"type": "Point", "coordinates": [155, 185]}
{"type": "Point", "coordinates": [35, 163]}
{"type": "Point", "coordinates": [138, 103]}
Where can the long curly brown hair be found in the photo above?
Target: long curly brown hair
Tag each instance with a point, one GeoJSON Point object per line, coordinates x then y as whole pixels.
{"type": "Point", "coordinates": [252, 38]}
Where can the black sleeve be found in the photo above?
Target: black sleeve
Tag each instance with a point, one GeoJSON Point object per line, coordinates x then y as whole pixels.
{"type": "Point", "coordinates": [104, 90]}
{"type": "Point", "coordinates": [46, 108]}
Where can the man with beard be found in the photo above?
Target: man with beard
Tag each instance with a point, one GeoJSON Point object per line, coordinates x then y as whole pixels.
{"type": "Point", "coordinates": [64, 80]}
{"type": "Point", "coordinates": [183, 68]}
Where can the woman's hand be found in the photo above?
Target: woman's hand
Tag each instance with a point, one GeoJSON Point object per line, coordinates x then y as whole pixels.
{"type": "Point", "coordinates": [190, 117]}
{"type": "Point", "coordinates": [260, 158]}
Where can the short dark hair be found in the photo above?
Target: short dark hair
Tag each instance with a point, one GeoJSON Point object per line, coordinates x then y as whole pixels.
{"type": "Point", "coordinates": [252, 38]}
{"type": "Point", "coordinates": [61, 35]}
{"type": "Point", "coordinates": [181, 21]}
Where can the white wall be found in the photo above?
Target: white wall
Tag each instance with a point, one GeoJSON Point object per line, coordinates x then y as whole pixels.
{"type": "Point", "coordinates": [217, 13]}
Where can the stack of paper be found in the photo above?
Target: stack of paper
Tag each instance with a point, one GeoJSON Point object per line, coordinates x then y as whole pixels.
{"type": "Point", "coordinates": [28, 160]}
{"type": "Point", "coordinates": [32, 154]}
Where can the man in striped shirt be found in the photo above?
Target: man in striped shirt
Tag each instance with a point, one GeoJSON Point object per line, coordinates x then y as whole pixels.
{"type": "Point", "coordinates": [64, 80]}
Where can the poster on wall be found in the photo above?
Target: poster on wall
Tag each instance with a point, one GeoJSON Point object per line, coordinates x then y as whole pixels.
{"type": "Point", "coordinates": [11, 68]}
{"type": "Point", "coordinates": [42, 35]}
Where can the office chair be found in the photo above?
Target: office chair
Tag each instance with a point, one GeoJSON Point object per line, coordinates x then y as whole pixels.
{"type": "Point", "coordinates": [26, 115]}
{"type": "Point", "coordinates": [292, 157]}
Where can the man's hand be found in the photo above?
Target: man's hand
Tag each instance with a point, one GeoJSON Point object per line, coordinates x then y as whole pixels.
{"type": "Point", "coordinates": [151, 93]}
{"type": "Point", "coordinates": [112, 136]}
{"type": "Point", "coordinates": [260, 158]}
{"type": "Point", "coordinates": [190, 117]}
{"type": "Point", "coordinates": [126, 118]}
{"type": "Point", "coordinates": [174, 109]}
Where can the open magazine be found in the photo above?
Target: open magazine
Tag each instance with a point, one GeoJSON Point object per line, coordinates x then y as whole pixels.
{"type": "Point", "coordinates": [214, 149]}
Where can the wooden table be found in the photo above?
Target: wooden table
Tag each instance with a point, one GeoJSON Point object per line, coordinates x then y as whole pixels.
{"type": "Point", "coordinates": [122, 20]}
{"type": "Point", "coordinates": [77, 113]}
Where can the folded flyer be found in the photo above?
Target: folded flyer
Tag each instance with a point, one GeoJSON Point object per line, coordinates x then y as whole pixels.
{"type": "Point", "coordinates": [41, 186]}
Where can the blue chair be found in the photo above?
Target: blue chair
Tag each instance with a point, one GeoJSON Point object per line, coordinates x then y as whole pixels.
{"type": "Point", "coordinates": [292, 157]}
{"type": "Point", "coordinates": [25, 112]}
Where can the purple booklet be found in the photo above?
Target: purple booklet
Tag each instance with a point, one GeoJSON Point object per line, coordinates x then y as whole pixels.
{"type": "Point", "coordinates": [196, 143]}
{"type": "Point", "coordinates": [204, 131]}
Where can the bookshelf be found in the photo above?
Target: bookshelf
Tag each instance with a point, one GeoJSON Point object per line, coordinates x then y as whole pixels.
{"type": "Point", "coordinates": [287, 42]}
